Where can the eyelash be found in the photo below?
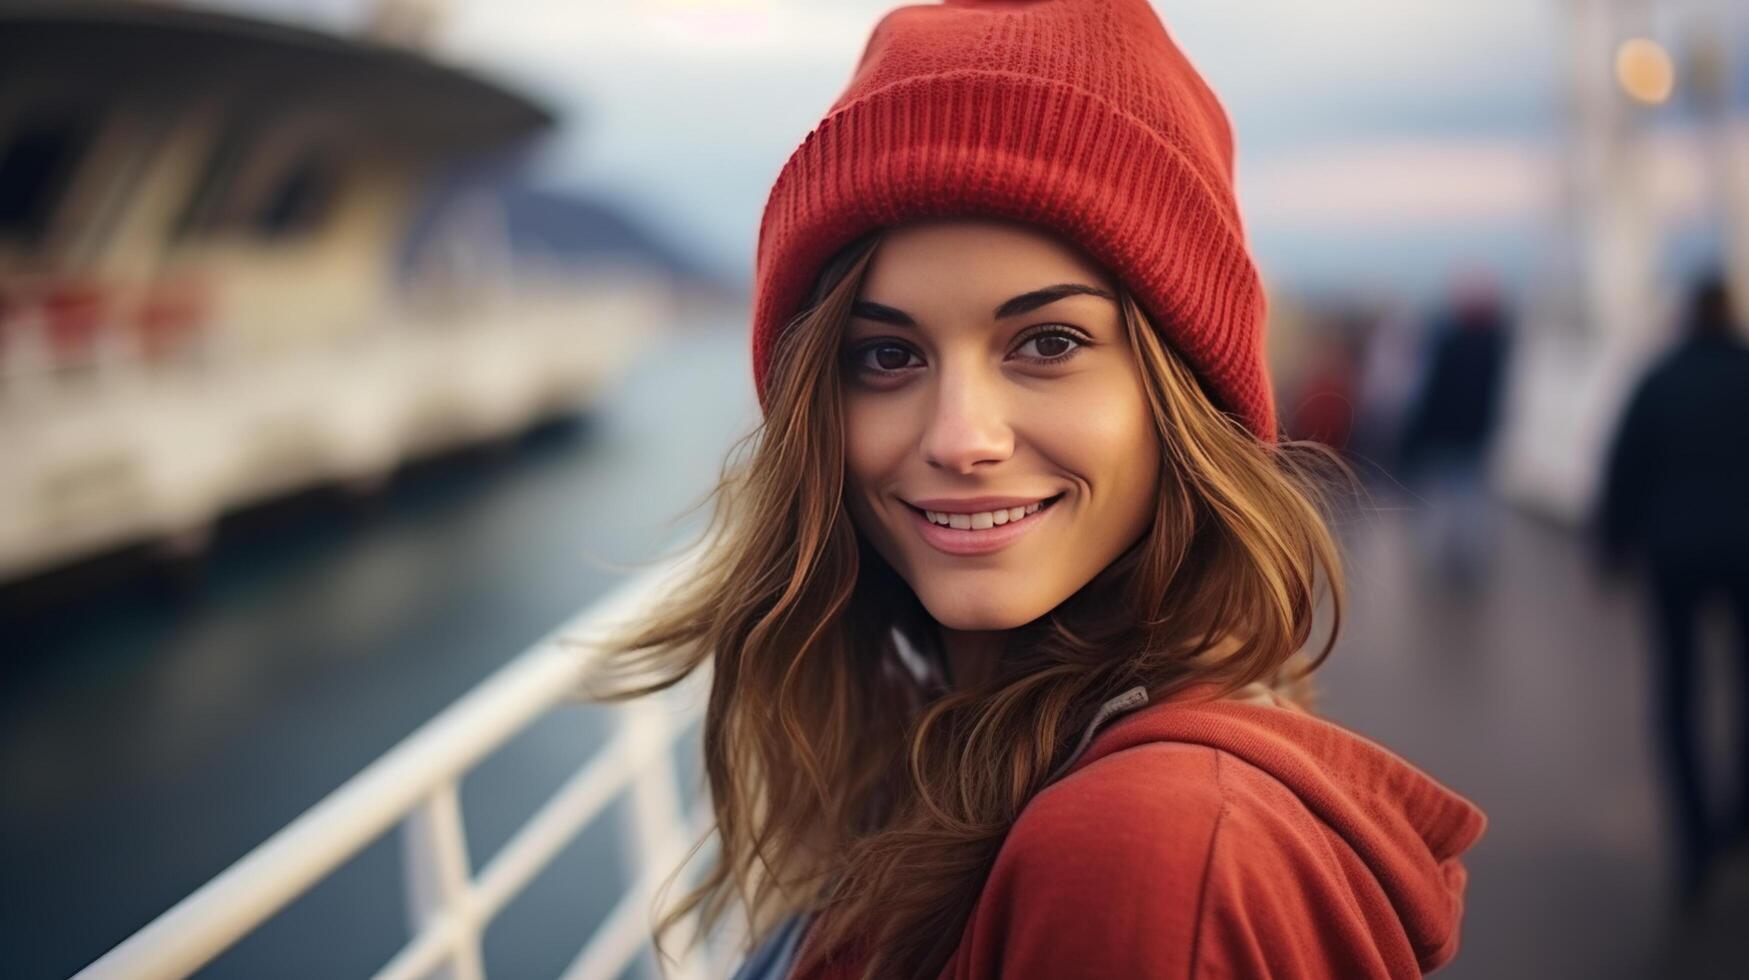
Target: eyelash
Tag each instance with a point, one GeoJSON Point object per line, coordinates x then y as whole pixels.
{"type": "Point", "coordinates": [857, 355]}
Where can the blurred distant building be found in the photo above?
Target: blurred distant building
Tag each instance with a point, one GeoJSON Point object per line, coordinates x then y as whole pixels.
{"type": "Point", "coordinates": [261, 174]}
{"type": "Point", "coordinates": [231, 265]}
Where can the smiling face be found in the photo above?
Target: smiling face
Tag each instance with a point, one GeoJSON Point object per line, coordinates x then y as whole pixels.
{"type": "Point", "coordinates": [999, 444]}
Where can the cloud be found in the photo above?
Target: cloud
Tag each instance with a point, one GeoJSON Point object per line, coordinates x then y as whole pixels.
{"type": "Point", "coordinates": [1418, 183]}
{"type": "Point", "coordinates": [1387, 183]}
{"type": "Point", "coordinates": [724, 35]}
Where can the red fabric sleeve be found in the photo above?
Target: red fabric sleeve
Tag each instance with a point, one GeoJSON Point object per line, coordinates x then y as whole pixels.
{"type": "Point", "coordinates": [1099, 878]}
{"type": "Point", "coordinates": [1178, 860]}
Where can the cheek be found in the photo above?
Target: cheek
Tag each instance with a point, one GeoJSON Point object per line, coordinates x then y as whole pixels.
{"type": "Point", "coordinates": [876, 437]}
{"type": "Point", "coordinates": [1102, 432]}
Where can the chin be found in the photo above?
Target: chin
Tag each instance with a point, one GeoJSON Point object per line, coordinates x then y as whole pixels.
{"type": "Point", "coordinates": [970, 611]}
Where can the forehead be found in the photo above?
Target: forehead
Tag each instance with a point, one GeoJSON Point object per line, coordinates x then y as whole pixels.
{"type": "Point", "coordinates": [971, 265]}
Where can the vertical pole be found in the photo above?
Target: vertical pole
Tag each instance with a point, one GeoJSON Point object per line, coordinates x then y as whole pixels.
{"type": "Point", "coordinates": [1727, 182]}
{"type": "Point", "coordinates": [438, 880]}
{"type": "Point", "coordinates": [658, 828]}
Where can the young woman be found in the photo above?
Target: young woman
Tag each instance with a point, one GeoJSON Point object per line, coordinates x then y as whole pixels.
{"type": "Point", "coordinates": [1005, 601]}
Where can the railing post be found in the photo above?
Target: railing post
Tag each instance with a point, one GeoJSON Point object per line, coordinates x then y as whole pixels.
{"type": "Point", "coordinates": [439, 894]}
{"type": "Point", "coordinates": [658, 828]}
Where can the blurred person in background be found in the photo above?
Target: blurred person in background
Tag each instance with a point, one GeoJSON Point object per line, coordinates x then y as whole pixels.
{"type": "Point", "coordinates": [1325, 409]}
{"type": "Point", "coordinates": [1676, 496]}
{"type": "Point", "coordinates": [1384, 384]}
{"type": "Point", "coordinates": [1006, 602]}
{"type": "Point", "coordinates": [1450, 428]}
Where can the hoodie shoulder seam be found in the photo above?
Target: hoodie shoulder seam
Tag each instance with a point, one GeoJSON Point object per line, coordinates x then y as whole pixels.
{"type": "Point", "coordinates": [1207, 872]}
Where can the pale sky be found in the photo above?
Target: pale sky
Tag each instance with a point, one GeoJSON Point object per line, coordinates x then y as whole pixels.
{"type": "Point", "coordinates": [1347, 112]}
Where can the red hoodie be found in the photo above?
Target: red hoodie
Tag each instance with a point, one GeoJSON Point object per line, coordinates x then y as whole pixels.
{"type": "Point", "coordinates": [1224, 838]}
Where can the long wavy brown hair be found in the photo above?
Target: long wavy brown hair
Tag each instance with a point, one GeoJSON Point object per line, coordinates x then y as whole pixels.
{"type": "Point", "coordinates": [840, 785]}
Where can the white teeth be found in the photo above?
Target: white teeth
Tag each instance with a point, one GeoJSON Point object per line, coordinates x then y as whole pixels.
{"type": "Point", "coordinates": [982, 520]}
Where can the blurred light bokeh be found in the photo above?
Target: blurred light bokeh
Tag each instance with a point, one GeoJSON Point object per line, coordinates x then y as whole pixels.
{"type": "Point", "coordinates": [346, 345]}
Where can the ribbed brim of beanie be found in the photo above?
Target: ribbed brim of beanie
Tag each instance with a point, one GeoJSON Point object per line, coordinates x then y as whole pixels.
{"type": "Point", "coordinates": [1145, 190]}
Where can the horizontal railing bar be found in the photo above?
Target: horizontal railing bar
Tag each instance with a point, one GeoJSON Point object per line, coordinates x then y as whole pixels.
{"type": "Point", "coordinates": [206, 923]}
{"type": "Point", "coordinates": [416, 960]}
{"type": "Point", "coordinates": [576, 803]}
{"type": "Point", "coordinates": [268, 878]}
{"type": "Point", "coordinates": [583, 797]}
{"type": "Point", "coordinates": [620, 937]}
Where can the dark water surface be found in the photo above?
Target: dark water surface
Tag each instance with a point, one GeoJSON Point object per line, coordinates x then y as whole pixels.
{"type": "Point", "coordinates": [152, 732]}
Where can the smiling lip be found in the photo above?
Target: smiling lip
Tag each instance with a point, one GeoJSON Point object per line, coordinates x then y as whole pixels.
{"type": "Point", "coordinates": [954, 541]}
{"type": "Point", "coordinates": [972, 505]}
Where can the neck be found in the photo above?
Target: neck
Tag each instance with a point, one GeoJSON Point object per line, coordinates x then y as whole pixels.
{"type": "Point", "coordinates": [971, 654]}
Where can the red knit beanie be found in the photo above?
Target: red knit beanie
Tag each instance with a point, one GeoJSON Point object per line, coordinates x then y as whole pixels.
{"type": "Point", "coordinates": [1079, 116]}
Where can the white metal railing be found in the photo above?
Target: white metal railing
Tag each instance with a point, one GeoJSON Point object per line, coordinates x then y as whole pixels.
{"type": "Point", "coordinates": [415, 784]}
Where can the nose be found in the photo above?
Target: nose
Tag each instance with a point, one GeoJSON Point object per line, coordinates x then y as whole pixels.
{"type": "Point", "coordinates": [969, 425]}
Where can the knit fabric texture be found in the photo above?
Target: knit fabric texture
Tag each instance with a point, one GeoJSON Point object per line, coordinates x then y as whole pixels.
{"type": "Point", "coordinates": [1081, 117]}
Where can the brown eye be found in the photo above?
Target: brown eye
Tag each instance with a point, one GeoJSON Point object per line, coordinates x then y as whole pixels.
{"type": "Point", "coordinates": [1051, 346]}
{"type": "Point", "coordinates": [881, 358]}
{"type": "Point", "coordinates": [891, 358]}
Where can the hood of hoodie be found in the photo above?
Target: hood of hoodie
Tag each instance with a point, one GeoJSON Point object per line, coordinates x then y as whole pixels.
{"type": "Point", "coordinates": [1404, 825]}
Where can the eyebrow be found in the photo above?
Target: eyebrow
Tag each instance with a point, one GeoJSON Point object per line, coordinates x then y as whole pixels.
{"type": "Point", "coordinates": [1024, 303]}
